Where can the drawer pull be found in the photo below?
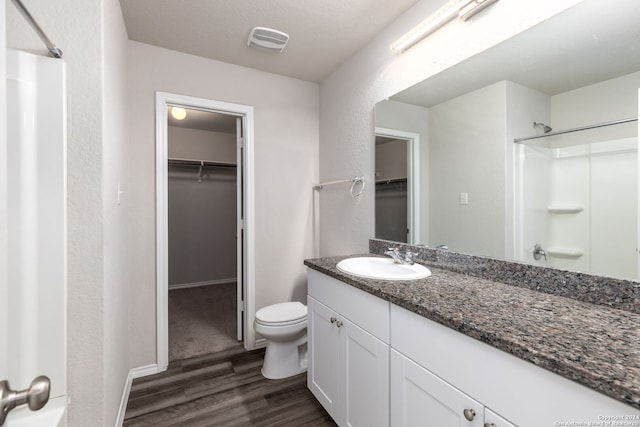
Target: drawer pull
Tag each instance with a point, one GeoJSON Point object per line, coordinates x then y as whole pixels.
{"type": "Point", "coordinates": [490, 425]}
{"type": "Point", "coordinates": [469, 414]}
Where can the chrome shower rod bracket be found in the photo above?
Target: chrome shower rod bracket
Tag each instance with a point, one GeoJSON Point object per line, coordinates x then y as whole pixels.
{"type": "Point", "coordinates": [53, 50]}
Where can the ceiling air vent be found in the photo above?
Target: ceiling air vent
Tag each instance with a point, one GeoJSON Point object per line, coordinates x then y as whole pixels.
{"type": "Point", "coordinates": [267, 39]}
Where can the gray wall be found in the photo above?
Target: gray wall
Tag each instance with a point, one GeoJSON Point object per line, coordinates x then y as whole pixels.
{"type": "Point", "coordinates": [202, 215]}
{"type": "Point", "coordinates": [202, 225]}
{"type": "Point", "coordinates": [391, 198]}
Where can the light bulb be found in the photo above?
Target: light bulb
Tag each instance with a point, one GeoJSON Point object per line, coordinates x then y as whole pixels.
{"type": "Point", "coordinates": [178, 113]}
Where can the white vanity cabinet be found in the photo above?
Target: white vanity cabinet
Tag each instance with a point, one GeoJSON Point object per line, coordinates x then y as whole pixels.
{"type": "Point", "coordinates": [348, 352]}
{"type": "Point", "coordinates": [420, 398]}
{"type": "Point", "coordinates": [491, 419]}
{"type": "Point", "coordinates": [372, 363]}
{"type": "Point", "coordinates": [517, 390]}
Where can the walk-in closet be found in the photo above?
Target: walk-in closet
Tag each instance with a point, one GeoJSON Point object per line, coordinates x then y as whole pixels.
{"type": "Point", "coordinates": [391, 189]}
{"type": "Point", "coordinates": [202, 244]}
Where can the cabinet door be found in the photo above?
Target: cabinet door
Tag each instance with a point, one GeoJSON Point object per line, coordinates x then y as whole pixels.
{"type": "Point", "coordinates": [491, 419]}
{"type": "Point", "coordinates": [323, 374]}
{"type": "Point", "coordinates": [419, 398]}
{"type": "Point", "coordinates": [366, 360]}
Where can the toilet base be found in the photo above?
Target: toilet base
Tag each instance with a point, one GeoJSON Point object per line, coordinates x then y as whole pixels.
{"type": "Point", "coordinates": [283, 360]}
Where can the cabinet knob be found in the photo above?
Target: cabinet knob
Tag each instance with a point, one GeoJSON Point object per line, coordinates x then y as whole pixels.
{"type": "Point", "coordinates": [469, 414]}
{"type": "Point", "coordinates": [333, 320]}
{"type": "Point", "coordinates": [490, 425]}
{"type": "Point", "coordinates": [339, 324]}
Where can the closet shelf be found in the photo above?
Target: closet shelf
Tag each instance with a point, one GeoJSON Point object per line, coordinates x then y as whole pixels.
{"type": "Point", "coordinates": [565, 208]}
{"type": "Point", "coordinates": [193, 162]}
{"type": "Point", "coordinates": [565, 252]}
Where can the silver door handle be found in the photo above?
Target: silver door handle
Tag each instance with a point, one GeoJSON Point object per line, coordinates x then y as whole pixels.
{"type": "Point", "coordinates": [36, 396]}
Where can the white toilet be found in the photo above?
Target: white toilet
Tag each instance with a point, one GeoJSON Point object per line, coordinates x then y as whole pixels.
{"type": "Point", "coordinates": [284, 326]}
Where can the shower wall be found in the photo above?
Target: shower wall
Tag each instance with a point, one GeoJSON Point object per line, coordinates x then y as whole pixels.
{"type": "Point", "coordinates": [37, 222]}
{"type": "Point", "coordinates": [590, 181]}
{"type": "Point", "coordinates": [202, 215]}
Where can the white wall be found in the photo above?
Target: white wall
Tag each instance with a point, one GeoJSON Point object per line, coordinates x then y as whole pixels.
{"type": "Point", "coordinates": [96, 295]}
{"type": "Point", "coordinates": [286, 167]}
{"type": "Point", "coordinates": [117, 163]}
{"type": "Point", "coordinates": [467, 151]}
{"type": "Point", "coordinates": [349, 95]}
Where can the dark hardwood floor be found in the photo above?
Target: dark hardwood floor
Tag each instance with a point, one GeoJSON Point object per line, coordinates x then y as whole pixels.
{"type": "Point", "coordinates": [222, 389]}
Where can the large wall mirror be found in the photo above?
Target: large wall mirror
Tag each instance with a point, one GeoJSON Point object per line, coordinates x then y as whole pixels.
{"type": "Point", "coordinates": [526, 151]}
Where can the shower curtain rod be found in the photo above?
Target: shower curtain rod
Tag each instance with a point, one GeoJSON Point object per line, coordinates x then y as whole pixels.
{"type": "Point", "coordinates": [53, 50]}
{"type": "Point", "coordinates": [560, 132]}
{"type": "Point", "coordinates": [190, 162]}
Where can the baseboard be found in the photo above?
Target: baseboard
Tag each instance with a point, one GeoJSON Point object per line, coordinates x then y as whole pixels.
{"type": "Point", "coordinates": [260, 343]}
{"type": "Point", "coordinates": [205, 283]}
{"type": "Point", "coordinates": [142, 371]}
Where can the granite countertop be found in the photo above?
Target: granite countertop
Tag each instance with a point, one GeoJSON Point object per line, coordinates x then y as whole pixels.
{"type": "Point", "coordinates": [596, 346]}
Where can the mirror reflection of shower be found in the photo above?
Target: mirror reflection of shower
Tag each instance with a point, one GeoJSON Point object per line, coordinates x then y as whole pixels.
{"type": "Point", "coordinates": [579, 199]}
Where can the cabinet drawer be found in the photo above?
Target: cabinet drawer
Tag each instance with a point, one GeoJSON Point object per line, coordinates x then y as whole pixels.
{"type": "Point", "coordinates": [367, 311]}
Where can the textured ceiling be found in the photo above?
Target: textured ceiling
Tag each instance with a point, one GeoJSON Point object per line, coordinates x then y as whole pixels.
{"type": "Point", "coordinates": [323, 34]}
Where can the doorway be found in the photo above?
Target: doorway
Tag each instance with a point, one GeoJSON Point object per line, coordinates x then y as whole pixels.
{"type": "Point", "coordinates": [193, 262]}
{"type": "Point", "coordinates": [397, 180]}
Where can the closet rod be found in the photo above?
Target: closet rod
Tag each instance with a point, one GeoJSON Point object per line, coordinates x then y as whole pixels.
{"type": "Point", "coordinates": [190, 162]}
{"type": "Point", "coordinates": [560, 132]}
{"type": "Point", "coordinates": [391, 180]}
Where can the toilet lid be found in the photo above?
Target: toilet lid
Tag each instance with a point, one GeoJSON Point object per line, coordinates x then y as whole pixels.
{"type": "Point", "coordinates": [284, 312]}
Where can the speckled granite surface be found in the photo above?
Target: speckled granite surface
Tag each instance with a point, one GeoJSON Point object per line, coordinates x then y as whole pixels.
{"type": "Point", "coordinates": [610, 292]}
{"type": "Point", "coordinates": [594, 345]}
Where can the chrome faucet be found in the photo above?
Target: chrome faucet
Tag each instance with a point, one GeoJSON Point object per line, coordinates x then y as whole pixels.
{"type": "Point", "coordinates": [408, 257]}
{"type": "Point", "coordinates": [395, 254]}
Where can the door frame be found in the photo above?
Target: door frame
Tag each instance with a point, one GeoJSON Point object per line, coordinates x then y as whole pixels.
{"type": "Point", "coordinates": [4, 286]}
{"type": "Point", "coordinates": [413, 179]}
{"type": "Point", "coordinates": [163, 101]}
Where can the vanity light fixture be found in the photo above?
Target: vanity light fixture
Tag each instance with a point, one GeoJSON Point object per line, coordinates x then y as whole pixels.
{"type": "Point", "coordinates": [464, 9]}
{"type": "Point", "coordinates": [178, 113]}
{"type": "Point", "coordinates": [473, 7]}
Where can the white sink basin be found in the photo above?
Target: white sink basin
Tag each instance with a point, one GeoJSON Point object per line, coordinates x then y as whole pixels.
{"type": "Point", "coordinates": [382, 268]}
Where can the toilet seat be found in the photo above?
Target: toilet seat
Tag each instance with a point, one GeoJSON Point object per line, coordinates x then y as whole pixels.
{"type": "Point", "coordinates": [282, 314]}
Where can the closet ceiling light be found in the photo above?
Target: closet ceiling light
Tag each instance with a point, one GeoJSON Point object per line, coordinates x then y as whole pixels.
{"type": "Point", "coordinates": [464, 9]}
{"type": "Point", "coordinates": [178, 113]}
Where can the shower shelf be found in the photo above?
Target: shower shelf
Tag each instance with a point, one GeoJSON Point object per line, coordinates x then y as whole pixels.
{"type": "Point", "coordinates": [565, 208]}
{"type": "Point", "coordinates": [564, 252]}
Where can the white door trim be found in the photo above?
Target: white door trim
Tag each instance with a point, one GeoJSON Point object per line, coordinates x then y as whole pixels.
{"type": "Point", "coordinates": [4, 287]}
{"type": "Point", "coordinates": [413, 179]}
{"type": "Point", "coordinates": [163, 101]}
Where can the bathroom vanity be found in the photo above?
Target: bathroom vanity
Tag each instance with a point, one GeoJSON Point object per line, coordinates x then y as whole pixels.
{"type": "Point", "coordinates": [459, 350]}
